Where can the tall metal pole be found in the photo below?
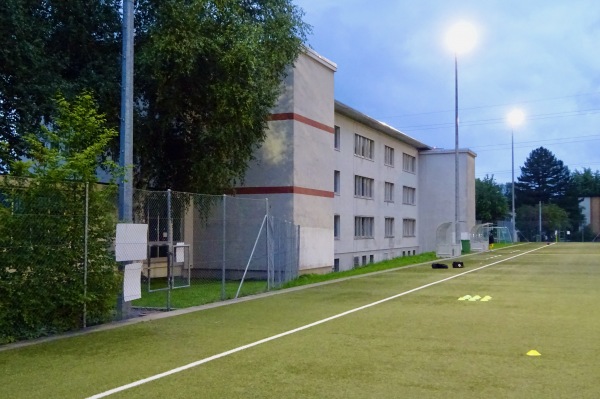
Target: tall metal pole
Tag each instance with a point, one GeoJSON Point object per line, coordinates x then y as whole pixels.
{"type": "Point", "coordinates": [456, 211]}
{"type": "Point", "coordinates": [126, 136]}
{"type": "Point", "coordinates": [126, 128]}
{"type": "Point", "coordinates": [512, 145]}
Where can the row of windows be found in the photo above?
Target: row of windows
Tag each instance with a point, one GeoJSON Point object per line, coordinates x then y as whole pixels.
{"type": "Point", "coordinates": [366, 259]}
{"type": "Point", "coordinates": [365, 148]}
{"type": "Point", "coordinates": [364, 227]}
{"type": "Point", "coordinates": [363, 188]}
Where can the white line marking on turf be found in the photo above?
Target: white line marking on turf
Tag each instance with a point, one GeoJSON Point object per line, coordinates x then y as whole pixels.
{"type": "Point", "coordinates": [289, 332]}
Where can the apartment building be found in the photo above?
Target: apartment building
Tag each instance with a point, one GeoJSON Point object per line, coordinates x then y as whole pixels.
{"type": "Point", "coordinates": [361, 190]}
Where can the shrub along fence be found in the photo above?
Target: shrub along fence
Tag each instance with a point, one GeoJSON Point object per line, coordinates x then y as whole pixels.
{"type": "Point", "coordinates": [57, 272]}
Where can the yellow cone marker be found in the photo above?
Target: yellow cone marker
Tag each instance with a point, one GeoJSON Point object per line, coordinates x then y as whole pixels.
{"type": "Point", "coordinates": [533, 352]}
{"type": "Point", "coordinates": [486, 298]}
{"type": "Point", "coordinates": [475, 298]}
{"type": "Point", "coordinates": [464, 298]}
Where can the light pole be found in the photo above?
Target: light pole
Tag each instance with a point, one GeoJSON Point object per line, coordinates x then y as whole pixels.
{"type": "Point", "coordinates": [515, 118]}
{"type": "Point", "coordinates": [460, 39]}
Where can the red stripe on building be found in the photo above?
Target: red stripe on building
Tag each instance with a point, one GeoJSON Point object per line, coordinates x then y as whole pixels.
{"type": "Point", "coordinates": [284, 190]}
{"type": "Point", "coordinates": [303, 119]}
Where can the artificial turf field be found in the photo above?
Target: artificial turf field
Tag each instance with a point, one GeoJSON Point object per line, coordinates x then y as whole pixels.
{"type": "Point", "coordinates": [421, 343]}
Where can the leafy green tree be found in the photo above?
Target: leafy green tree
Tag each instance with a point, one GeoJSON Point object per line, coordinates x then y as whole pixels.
{"type": "Point", "coordinates": [50, 47]}
{"type": "Point", "coordinates": [207, 74]}
{"type": "Point", "coordinates": [45, 271]}
{"type": "Point", "coordinates": [490, 202]}
{"type": "Point", "coordinates": [587, 183]}
{"type": "Point", "coordinates": [553, 218]}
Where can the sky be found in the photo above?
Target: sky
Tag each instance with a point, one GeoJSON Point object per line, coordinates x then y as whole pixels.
{"type": "Point", "coordinates": [541, 56]}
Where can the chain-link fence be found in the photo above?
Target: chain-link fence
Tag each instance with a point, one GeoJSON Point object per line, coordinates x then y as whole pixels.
{"type": "Point", "coordinates": [205, 248]}
{"type": "Point", "coordinates": [58, 270]}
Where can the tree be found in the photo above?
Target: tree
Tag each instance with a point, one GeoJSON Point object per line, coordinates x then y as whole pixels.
{"type": "Point", "coordinates": [586, 182]}
{"type": "Point", "coordinates": [543, 178]}
{"type": "Point", "coordinates": [490, 202]}
{"type": "Point", "coordinates": [206, 103]}
{"type": "Point", "coordinates": [51, 47]}
{"type": "Point", "coordinates": [207, 75]}
{"type": "Point", "coordinates": [42, 231]}
{"type": "Point", "coordinates": [553, 218]}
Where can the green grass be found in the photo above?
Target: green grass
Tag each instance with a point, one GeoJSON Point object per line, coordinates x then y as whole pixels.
{"type": "Point", "coordinates": [373, 267]}
{"type": "Point", "coordinates": [425, 344]}
{"type": "Point", "coordinates": [207, 291]}
{"type": "Point", "coordinates": [200, 292]}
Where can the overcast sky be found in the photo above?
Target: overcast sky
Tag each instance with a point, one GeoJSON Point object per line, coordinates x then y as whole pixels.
{"type": "Point", "coordinates": [542, 56]}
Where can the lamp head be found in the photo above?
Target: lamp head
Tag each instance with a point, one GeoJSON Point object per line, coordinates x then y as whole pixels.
{"type": "Point", "coordinates": [461, 37]}
{"type": "Point", "coordinates": [515, 117]}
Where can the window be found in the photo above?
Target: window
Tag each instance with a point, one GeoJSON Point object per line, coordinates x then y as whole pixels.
{"type": "Point", "coordinates": [409, 163]}
{"type": "Point", "coordinates": [389, 156]}
{"type": "Point", "coordinates": [371, 258]}
{"type": "Point", "coordinates": [364, 260]}
{"type": "Point", "coordinates": [336, 182]}
{"type": "Point", "coordinates": [336, 138]}
{"type": "Point", "coordinates": [409, 195]}
{"type": "Point", "coordinates": [409, 227]}
{"type": "Point", "coordinates": [363, 147]}
{"type": "Point", "coordinates": [356, 261]}
{"type": "Point", "coordinates": [389, 227]}
{"type": "Point", "coordinates": [389, 192]}
{"type": "Point", "coordinates": [363, 187]}
{"type": "Point", "coordinates": [363, 227]}
{"type": "Point", "coordinates": [336, 265]}
{"type": "Point", "coordinates": [336, 227]}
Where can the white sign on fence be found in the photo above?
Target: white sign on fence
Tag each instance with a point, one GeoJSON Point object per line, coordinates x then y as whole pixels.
{"type": "Point", "coordinates": [132, 286]}
{"type": "Point", "coordinates": [132, 242]}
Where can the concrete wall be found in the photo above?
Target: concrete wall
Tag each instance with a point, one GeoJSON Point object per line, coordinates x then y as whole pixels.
{"type": "Point", "coordinates": [289, 167]}
{"type": "Point", "coordinates": [591, 212]}
{"type": "Point", "coordinates": [437, 183]}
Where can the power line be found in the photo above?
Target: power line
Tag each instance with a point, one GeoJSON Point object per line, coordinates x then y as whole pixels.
{"type": "Point", "coordinates": [525, 144]}
{"type": "Point", "coordinates": [494, 121]}
{"type": "Point", "coordinates": [494, 105]}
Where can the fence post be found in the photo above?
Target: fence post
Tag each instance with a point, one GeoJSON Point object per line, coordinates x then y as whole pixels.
{"type": "Point", "coordinates": [85, 253]}
{"type": "Point", "coordinates": [298, 251]}
{"type": "Point", "coordinates": [170, 249]}
{"type": "Point", "coordinates": [270, 265]}
{"type": "Point", "coordinates": [223, 248]}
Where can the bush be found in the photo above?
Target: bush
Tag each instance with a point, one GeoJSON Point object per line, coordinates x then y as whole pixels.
{"type": "Point", "coordinates": [46, 276]}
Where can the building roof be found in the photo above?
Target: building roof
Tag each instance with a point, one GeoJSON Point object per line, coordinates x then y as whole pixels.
{"type": "Point", "coordinates": [379, 126]}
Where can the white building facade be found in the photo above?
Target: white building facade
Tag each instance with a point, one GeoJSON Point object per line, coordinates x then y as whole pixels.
{"type": "Point", "coordinates": [360, 190]}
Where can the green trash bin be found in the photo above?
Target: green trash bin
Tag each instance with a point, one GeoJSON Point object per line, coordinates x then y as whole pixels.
{"type": "Point", "coordinates": [466, 246]}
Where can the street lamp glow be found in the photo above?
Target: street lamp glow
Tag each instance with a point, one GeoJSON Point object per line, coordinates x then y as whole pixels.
{"type": "Point", "coordinates": [515, 118]}
{"type": "Point", "coordinates": [461, 38]}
